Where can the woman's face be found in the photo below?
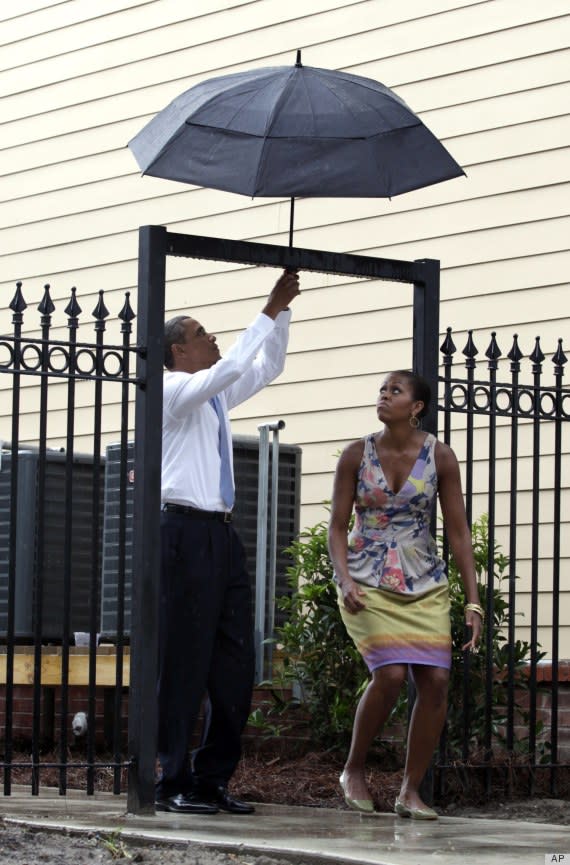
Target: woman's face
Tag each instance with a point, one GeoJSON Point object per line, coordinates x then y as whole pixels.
{"type": "Point", "coordinates": [396, 400]}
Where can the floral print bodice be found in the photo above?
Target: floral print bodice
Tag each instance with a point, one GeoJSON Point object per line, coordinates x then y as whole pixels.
{"type": "Point", "coordinates": [391, 546]}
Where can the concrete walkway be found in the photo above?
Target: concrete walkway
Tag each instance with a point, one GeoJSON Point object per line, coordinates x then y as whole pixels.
{"type": "Point", "coordinates": [304, 834]}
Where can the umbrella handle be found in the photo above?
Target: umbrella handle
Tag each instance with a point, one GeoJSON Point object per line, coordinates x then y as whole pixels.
{"type": "Point", "coordinates": [291, 217]}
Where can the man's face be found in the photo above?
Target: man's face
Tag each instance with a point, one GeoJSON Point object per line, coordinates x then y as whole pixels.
{"type": "Point", "coordinates": [199, 349]}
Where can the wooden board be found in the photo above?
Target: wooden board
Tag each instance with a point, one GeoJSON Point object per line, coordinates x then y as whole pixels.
{"type": "Point", "coordinates": [51, 668]}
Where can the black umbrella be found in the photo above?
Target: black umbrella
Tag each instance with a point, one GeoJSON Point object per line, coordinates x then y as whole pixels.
{"type": "Point", "coordinates": [290, 131]}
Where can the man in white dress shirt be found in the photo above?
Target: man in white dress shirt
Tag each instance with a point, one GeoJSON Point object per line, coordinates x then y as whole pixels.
{"type": "Point", "coordinates": [206, 631]}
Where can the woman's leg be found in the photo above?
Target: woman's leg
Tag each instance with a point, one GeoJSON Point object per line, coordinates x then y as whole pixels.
{"type": "Point", "coordinates": [372, 712]}
{"type": "Point", "coordinates": [426, 724]}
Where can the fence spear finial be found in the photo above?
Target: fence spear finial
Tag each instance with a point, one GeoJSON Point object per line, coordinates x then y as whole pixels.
{"type": "Point", "coordinates": [515, 353]}
{"type": "Point", "coordinates": [127, 313]}
{"type": "Point", "coordinates": [448, 346]}
{"type": "Point", "coordinates": [493, 352]}
{"type": "Point", "coordinates": [537, 355]}
{"type": "Point", "coordinates": [559, 358]}
{"type": "Point", "coordinates": [46, 305]}
{"type": "Point", "coordinates": [73, 309]}
{"type": "Point", "coordinates": [100, 312]}
{"type": "Point", "coordinates": [18, 303]}
{"type": "Point", "coordinates": [470, 351]}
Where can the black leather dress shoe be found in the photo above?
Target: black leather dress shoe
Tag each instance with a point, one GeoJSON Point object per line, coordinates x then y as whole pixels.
{"type": "Point", "coordinates": [188, 803]}
{"type": "Point", "coordinates": [226, 802]}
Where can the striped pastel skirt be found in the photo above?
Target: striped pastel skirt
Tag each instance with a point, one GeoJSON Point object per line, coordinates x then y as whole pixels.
{"type": "Point", "coordinates": [397, 628]}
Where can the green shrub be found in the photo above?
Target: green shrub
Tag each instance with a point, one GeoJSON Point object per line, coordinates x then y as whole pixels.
{"type": "Point", "coordinates": [475, 710]}
{"type": "Point", "coordinates": [327, 674]}
{"type": "Point", "coordinates": [320, 661]}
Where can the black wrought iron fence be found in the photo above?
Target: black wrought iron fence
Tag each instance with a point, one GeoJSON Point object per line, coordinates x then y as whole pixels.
{"type": "Point", "coordinates": [51, 518]}
{"type": "Point", "coordinates": [508, 429]}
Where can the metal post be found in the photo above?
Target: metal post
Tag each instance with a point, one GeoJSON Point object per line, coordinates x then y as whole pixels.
{"type": "Point", "coordinates": [261, 552]}
{"type": "Point", "coordinates": [425, 362]}
{"type": "Point", "coordinates": [426, 334]}
{"type": "Point", "coordinates": [146, 520]}
{"type": "Point", "coordinates": [273, 543]}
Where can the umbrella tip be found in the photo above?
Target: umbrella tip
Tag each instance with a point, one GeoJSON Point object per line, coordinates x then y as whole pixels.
{"type": "Point", "coordinates": [298, 61]}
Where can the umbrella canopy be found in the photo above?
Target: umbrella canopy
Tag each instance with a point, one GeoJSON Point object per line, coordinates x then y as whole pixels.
{"type": "Point", "coordinates": [293, 131]}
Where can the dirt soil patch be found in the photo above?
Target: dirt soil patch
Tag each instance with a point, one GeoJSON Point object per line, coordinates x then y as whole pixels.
{"type": "Point", "coordinates": [312, 780]}
{"type": "Point", "coordinates": [23, 846]}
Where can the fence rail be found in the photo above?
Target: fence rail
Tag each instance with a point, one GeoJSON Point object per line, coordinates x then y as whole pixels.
{"type": "Point", "coordinates": [484, 418]}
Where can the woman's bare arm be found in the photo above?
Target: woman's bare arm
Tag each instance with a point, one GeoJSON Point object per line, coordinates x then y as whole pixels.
{"type": "Point", "coordinates": [455, 520]}
{"type": "Point", "coordinates": [344, 490]}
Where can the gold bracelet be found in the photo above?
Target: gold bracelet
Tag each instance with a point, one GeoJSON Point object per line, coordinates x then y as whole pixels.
{"type": "Point", "coordinates": [476, 608]}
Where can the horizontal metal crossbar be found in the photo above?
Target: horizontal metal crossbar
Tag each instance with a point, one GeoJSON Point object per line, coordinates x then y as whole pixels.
{"type": "Point", "coordinates": [271, 255]}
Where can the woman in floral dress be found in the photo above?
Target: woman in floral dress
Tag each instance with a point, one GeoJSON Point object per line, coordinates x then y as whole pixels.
{"type": "Point", "coordinates": [392, 584]}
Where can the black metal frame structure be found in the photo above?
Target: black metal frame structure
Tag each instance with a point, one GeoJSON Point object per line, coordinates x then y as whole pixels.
{"type": "Point", "coordinates": [156, 243]}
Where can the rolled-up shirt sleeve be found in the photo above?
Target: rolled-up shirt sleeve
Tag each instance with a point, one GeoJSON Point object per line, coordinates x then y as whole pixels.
{"type": "Point", "coordinates": [185, 392]}
{"type": "Point", "coordinates": [268, 364]}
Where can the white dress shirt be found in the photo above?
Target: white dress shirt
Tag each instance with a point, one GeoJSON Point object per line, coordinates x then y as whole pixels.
{"type": "Point", "coordinates": [190, 427]}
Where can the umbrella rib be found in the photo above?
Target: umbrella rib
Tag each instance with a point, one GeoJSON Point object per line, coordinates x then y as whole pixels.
{"type": "Point", "coordinates": [278, 102]}
{"type": "Point", "coordinates": [309, 101]}
{"type": "Point", "coordinates": [165, 147]}
{"type": "Point", "coordinates": [373, 108]}
{"type": "Point", "coordinates": [253, 96]}
{"type": "Point", "coordinates": [270, 119]}
{"type": "Point", "coordinates": [373, 86]}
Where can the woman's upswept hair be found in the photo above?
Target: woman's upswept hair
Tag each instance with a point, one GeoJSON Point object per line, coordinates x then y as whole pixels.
{"type": "Point", "coordinates": [420, 388]}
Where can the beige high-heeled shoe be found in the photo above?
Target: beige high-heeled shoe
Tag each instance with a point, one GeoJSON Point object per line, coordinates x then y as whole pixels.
{"type": "Point", "coordinates": [365, 806]}
{"type": "Point", "coordinates": [425, 813]}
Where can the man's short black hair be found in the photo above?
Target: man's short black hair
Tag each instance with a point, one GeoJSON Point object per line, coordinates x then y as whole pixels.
{"type": "Point", "coordinates": [173, 335]}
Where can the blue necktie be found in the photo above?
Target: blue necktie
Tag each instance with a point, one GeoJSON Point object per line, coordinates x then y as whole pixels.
{"type": "Point", "coordinates": [226, 483]}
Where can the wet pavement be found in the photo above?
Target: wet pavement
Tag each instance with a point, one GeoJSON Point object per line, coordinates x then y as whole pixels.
{"type": "Point", "coordinates": [304, 834]}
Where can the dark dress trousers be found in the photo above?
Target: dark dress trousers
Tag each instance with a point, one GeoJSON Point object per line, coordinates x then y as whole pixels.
{"type": "Point", "coordinates": [206, 649]}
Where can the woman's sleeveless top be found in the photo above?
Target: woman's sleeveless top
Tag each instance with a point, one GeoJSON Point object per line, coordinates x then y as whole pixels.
{"type": "Point", "coordinates": [391, 546]}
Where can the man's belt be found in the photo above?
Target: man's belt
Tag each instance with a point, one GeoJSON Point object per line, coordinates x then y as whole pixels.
{"type": "Point", "coordinates": [196, 513]}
